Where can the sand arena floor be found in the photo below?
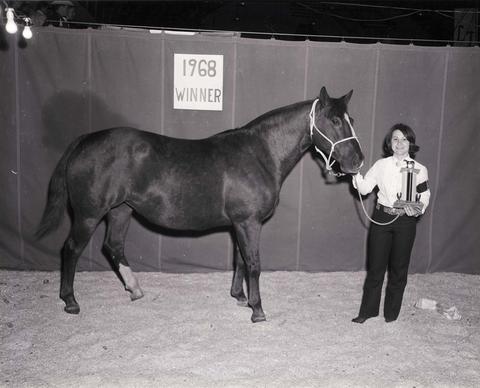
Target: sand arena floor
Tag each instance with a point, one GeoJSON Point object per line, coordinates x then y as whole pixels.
{"type": "Point", "coordinates": [188, 332]}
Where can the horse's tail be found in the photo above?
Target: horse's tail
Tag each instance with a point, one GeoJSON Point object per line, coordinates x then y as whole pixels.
{"type": "Point", "coordinates": [57, 194]}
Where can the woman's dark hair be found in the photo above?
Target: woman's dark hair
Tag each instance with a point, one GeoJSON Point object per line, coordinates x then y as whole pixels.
{"type": "Point", "coordinates": [408, 133]}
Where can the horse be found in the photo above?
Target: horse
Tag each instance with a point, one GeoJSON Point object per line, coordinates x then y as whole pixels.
{"type": "Point", "coordinates": [231, 179]}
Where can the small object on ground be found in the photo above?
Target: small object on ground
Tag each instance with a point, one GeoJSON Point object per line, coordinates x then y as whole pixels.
{"type": "Point", "coordinates": [451, 313]}
{"type": "Point", "coordinates": [426, 304]}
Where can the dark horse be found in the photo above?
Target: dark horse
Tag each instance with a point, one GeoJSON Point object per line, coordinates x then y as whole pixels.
{"type": "Point", "coordinates": [230, 179]}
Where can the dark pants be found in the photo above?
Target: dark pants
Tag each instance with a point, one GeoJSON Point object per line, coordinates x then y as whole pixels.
{"type": "Point", "coordinates": [389, 248]}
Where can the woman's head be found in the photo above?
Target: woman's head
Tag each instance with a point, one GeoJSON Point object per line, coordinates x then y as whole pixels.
{"type": "Point", "coordinates": [400, 141]}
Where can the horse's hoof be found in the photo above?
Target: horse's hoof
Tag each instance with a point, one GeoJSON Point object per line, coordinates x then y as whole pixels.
{"type": "Point", "coordinates": [241, 300]}
{"type": "Point", "coordinates": [136, 294]}
{"type": "Point", "coordinates": [242, 303]}
{"type": "Point", "coordinates": [258, 318]}
{"type": "Point", "coordinates": [72, 309]}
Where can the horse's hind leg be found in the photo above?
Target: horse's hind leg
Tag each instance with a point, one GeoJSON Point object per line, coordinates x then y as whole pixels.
{"type": "Point", "coordinates": [82, 230]}
{"type": "Point", "coordinates": [238, 277]}
{"type": "Point", "coordinates": [248, 236]}
{"type": "Point", "coordinates": [118, 220]}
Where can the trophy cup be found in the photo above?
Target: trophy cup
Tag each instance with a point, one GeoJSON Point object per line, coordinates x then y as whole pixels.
{"type": "Point", "coordinates": [409, 195]}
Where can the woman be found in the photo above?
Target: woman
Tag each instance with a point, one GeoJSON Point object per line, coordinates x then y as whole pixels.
{"type": "Point", "coordinates": [390, 246]}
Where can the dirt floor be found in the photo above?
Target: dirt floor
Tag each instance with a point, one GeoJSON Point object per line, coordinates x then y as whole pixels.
{"type": "Point", "coordinates": [188, 332]}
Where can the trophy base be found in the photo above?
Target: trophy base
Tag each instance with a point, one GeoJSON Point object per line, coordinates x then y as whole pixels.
{"type": "Point", "coordinates": [402, 204]}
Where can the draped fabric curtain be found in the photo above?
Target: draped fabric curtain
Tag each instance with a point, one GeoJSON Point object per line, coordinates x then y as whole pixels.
{"type": "Point", "coordinates": [64, 83]}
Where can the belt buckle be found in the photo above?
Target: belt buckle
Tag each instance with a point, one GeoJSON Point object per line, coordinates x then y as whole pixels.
{"type": "Point", "coordinates": [395, 212]}
{"type": "Point", "coordinates": [392, 211]}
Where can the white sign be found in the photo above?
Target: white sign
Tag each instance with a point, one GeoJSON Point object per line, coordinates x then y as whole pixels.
{"type": "Point", "coordinates": [198, 82]}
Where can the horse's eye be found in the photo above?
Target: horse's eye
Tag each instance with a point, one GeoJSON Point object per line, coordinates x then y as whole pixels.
{"type": "Point", "coordinates": [336, 121]}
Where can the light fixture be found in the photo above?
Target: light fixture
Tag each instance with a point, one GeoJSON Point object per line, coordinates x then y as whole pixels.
{"type": "Point", "coordinates": [11, 27]}
{"type": "Point", "coordinates": [27, 31]}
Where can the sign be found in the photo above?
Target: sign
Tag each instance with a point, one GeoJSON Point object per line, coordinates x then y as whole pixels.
{"type": "Point", "coordinates": [198, 82]}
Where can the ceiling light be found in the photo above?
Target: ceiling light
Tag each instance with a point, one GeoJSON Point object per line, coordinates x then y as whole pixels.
{"type": "Point", "coordinates": [11, 27]}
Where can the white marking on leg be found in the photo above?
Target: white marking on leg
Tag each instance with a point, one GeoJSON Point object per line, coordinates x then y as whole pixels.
{"type": "Point", "coordinates": [131, 282]}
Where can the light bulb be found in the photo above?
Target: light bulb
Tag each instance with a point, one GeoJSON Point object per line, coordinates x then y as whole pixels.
{"type": "Point", "coordinates": [11, 27]}
{"type": "Point", "coordinates": [27, 32]}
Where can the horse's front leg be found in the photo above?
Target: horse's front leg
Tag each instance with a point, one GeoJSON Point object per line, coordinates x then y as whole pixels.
{"type": "Point", "coordinates": [238, 277]}
{"type": "Point", "coordinates": [248, 237]}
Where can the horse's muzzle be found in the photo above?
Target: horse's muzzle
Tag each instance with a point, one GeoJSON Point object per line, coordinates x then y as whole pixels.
{"type": "Point", "coordinates": [354, 168]}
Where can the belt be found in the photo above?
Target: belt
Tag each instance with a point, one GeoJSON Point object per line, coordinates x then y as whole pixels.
{"type": "Point", "coordinates": [391, 210]}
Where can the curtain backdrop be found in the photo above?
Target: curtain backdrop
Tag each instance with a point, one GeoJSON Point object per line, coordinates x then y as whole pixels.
{"type": "Point", "coordinates": [64, 83]}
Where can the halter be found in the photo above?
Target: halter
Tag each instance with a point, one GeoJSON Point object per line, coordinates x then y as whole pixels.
{"type": "Point", "coordinates": [328, 161]}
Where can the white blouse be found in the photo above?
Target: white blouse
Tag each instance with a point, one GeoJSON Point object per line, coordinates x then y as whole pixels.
{"type": "Point", "coordinates": [385, 174]}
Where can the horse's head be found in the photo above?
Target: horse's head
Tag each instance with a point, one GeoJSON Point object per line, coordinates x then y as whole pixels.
{"type": "Point", "coordinates": [332, 133]}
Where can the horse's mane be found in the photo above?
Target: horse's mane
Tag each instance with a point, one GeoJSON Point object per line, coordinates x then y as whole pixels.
{"type": "Point", "coordinates": [268, 116]}
{"type": "Point", "coordinates": [285, 110]}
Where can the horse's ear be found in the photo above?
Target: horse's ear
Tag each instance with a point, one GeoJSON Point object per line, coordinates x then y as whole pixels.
{"type": "Point", "coordinates": [346, 97]}
{"type": "Point", "coordinates": [324, 97]}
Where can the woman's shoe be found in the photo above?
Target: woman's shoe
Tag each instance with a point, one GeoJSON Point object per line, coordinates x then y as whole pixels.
{"type": "Point", "coordinates": [359, 319]}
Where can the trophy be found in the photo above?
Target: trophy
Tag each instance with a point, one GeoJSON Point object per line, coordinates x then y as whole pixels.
{"type": "Point", "coordinates": [409, 195]}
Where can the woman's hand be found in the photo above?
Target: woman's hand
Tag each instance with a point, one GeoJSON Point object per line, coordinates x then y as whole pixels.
{"type": "Point", "coordinates": [414, 210]}
{"type": "Point", "coordinates": [355, 178]}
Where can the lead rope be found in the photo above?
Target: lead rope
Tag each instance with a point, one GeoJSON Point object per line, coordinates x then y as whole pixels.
{"type": "Point", "coordinates": [369, 218]}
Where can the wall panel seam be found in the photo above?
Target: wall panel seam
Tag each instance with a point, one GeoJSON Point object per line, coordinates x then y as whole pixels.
{"type": "Point", "coordinates": [438, 162]}
{"type": "Point", "coordinates": [162, 132]}
{"type": "Point", "coordinates": [19, 159]}
{"type": "Point", "coordinates": [372, 136]}
{"type": "Point", "coordinates": [89, 102]}
{"type": "Point", "coordinates": [230, 238]}
{"type": "Point", "coordinates": [300, 193]}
